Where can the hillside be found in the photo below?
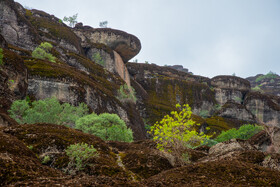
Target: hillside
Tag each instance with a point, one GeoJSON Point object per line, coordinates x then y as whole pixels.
{"type": "Point", "coordinates": [91, 65]}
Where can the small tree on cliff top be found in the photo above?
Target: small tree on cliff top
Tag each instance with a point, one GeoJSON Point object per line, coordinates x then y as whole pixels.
{"type": "Point", "coordinates": [177, 131]}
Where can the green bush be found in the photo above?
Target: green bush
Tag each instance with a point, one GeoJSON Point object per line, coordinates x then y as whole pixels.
{"type": "Point", "coordinates": [46, 111]}
{"type": "Point", "coordinates": [257, 89]}
{"type": "Point", "coordinates": [177, 131]}
{"type": "Point", "coordinates": [204, 113]}
{"type": "Point", "coordinates": [270, 75]}
{"type": "Point", "coordinates": [98, 59]}
{"type": "Point", "coordinates": [126, 94]}
{"type": "Point", "coordinates": [1, 56]}
{"type": "Point", "coordinates": [43, 52]}
{"type": "Point", "coordinates": [72, 20]}
{"type": "Point", "coordinates": [106, 126]}
{"type": "Point", "coordinates": [244, 132]}
{"type": "Point", "coordinates": [79, 155]}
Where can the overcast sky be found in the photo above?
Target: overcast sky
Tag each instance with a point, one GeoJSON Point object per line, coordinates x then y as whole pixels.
{"type": "Point", "coordinates": [209, 37]}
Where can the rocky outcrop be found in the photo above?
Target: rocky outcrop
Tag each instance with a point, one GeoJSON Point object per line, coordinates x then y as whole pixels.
{"type": "Point", "coordinates": [13, 77]}
{"type": "Point", "coordinates": [230, 88]}
{"type": "Point", "coordinates": [15, 28]}
{"type": "Point", "coordinates": [268, 84]}
{"type": "Point", "coordinates": [3, 43]}
{"type": "Point", "coordinates": [265, 108]}
{"type": "Point", "coordinates": [179, 68]}
{"type": "Point", "coordinates": [126, 45]}
{"type": "Point", "coordinates": [234, 110]}
{"type": "Point", "coordinates": [48, 79]}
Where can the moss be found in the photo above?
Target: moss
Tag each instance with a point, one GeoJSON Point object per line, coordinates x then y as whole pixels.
{"type": "Point", "coordinates": [41, 20]}
{"type": "Point", "coordinates": [217, 173]}
{"type": "Point", "coordinates": [47, 69]}
{"type": "Point", "coordinates": [19, 50]}
{"type": "Point", "coordinates": [104, 48]}
{"type": "Point", "coordinates": [266, 98]}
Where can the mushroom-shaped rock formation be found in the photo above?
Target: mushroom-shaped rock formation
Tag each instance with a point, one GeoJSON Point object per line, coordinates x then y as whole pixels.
{"type": "Point", "coordinates": [126, 45]}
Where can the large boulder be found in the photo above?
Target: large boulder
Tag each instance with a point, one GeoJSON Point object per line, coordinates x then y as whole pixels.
{"type": "Point", "coordinates": [126, 45]}
{"type": "Point", "coordinates": [234, 110]}
{"type": "Point", "coordinates": [266, 108]}
{"type": "Point", "coordinates": [230, 88]}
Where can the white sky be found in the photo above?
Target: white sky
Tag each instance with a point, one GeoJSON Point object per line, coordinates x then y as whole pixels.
{"type": "Point", "coordinates": [209, 37]}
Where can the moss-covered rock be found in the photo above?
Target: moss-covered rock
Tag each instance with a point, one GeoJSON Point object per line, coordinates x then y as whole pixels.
{"type": "Point", "coordinates": [19, 163]}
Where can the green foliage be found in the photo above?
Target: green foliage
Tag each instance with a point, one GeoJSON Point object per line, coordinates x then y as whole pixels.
{"type": "Point", "coordinates": [106, 126]}
{"type": "Point", "coordinates": [46, 111]}
{"type": "Point", "coordinates": [126, 93]}
{"type": "Point", "coordinates": [237, 99]}
{"type": "Point", "coordinates": [270, 75]}
{"type": "Point", "coordinates": [103, 24]}
{"type": "Point", "coordinates": [43, 52]}
{"type": "Point", "coordinates": [217, 107]}
{"type": "Point", "coordinates": [204, 113]}
{"type": "Point", "coordinates": [79, 155]}
{"type": "Point", "coordinates": [72, 20]}
{"type": "Point", "coordinates": [244, 132]}
{"type": "Point", "coordinates": [272, 81]}
{"type": "Point", "coordinates": [46, 159]}
{"type": "Point", "coordinates": [257, 89]}
{"type": "Point", "coordinates": [1, 57]}
{"type": "Point", "coordinates": [209, 142]}
{"type": "Point", "coordinates": [30, 147]}
{"type": "Point", "coordinates": [98, 59]}
{"type": "Point", "coordinates": [177, 131]}
{"type": "Point", "coordinates": [186, 157]}
{"type": "Point", "coordinates": [60, 21]}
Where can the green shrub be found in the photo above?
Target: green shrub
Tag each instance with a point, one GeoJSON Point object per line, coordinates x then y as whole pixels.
{"type": "Point", "coordinates": [204, 113]}
{"type": "Point", "coordinates": [79, 155]}
{"type": "Point", "coordinates": [72, 20]}
{"type": "Point", "coordinates": [46, 159]}
{"type": "Point", "coordinates": [126, 94]}
{"type": "Point", "coordinates": [237, 99]}
{"type": "Point", "coordinates": [98, 59]}
{"type": "Point", "coordinates": [257, 89]}
{"type": "Point", "coordinates": [270, 75]}
{"type": "Point", "coordinates": [244, 132]}
{"type": "Point", "coordinates": [106, 126]}
{"type": "Point", "coordinates": [46, 111]}
{"type": "Point", "coordinates": [1, 57]}
{"type": "Point", "coordinates": [177, 131]}
{"type": "Point", "coordinates": [209, 142]}
{"type": "Point", "coordinates": [43, 52]}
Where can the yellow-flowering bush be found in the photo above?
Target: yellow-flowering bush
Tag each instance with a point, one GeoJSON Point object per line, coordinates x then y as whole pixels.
{"type": "Point", "coordinates": [177, 131]}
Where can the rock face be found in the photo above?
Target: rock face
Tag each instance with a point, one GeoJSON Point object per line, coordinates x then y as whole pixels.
{"type": "Point", "coordinates": [69, 85]}
{"type": "Point", "coordinates": [265, 108]}
{"type": "Point", "coordinates": [13, 77]}
{"type": "Point", "coordinates": [234, 110]}
{"type": "Point", "coordinates": [230, 88]}
{"type": "Point", "coordinates": [266, 84]}
{"type": "Point", "coordinates": [3, 43]}
{"type": "Point", "coordinates": [15, 28]}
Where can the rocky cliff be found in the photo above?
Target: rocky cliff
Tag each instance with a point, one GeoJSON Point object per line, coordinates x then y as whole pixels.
{"type": "Point", "coordinates": [221, 103]}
